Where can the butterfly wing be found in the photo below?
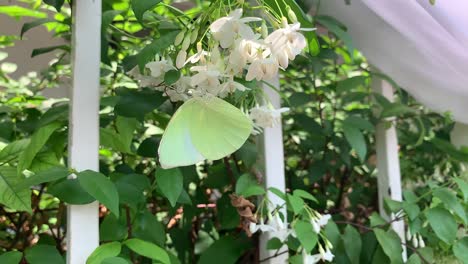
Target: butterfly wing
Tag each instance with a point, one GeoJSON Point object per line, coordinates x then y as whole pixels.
{"type": "Point", "coordinates": [218, 128]}
{"type": "Point", "coordinates": [176, 148]}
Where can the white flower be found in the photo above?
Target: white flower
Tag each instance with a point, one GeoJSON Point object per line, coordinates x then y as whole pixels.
{"type": "Point", "coordinates": [199, 56]}
{"type": "Point", "coordinates": [319, 222]}
{"type": "Point", "coordinates": [144, 81]}
{"type": "Point", "coordinates": [253, 227]}
{"type": "Point", "coordinates": [323, 220]}
{"type": "Point", "coordinates": [159, 68]}
{"type": "Point", "coordinates": [181, 57]}
{"type": "Point", "coordinates": [415, 241]}
{"type": "Point", "coordinates": [207, 76]}
{"type": "Point", "coordinates": [286, 43]}
{"type": "Point", "coordinates": [226, 29]}
{"type": "Point", "coordinates": [309, 259]}
{"type": "Point", "coordinates": [326, 255]}
{"type": "Point", "coordinates": [176, 96]}
{"type": "Point", "coordinates": [262, 69]}
{"type": "Point", "coordinates": [265, 117]}
{"type": "Point", "coordinates": [230, 86]}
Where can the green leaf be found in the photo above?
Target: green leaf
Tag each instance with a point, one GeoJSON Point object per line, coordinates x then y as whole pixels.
{"type": "Point", "coordinates": [111, 139]}
{"type": "Point", "coordinates": [332, 233]}
{"type": "Point", "coordinates": [101, 188]}
{"type": "Point", "coordinates": [137, 103]}
{"type": "Point", "coordinates": [463, 185]}
{"type": "Point", "coordinates": [295, 203]}
{"type": "Point", "coordinates": [274, 243]}
{"type": "Point", "coordinates": [248, 154]}
{"type": "Point", "coordinates": [131, 188]}
{"type": "Point", "coordinates": [71, 192]}
{"type": "Point", "coordinates": [278, 193]}
{"type": "Point", "coordinates": [299, 99]}
{"type": "Point", "coordinates": [40, 51]}
{"type": "Point", "coordinates": [392, 205]}
{"type": "Point", "coordinates": [11, 257]}
{"type": "Point", "coordinates": [115, 260]}
{"type": "Point", "coordinates": [41, 254]}
{"type": "Point", "coordinates": [391, 245]}
{"type": "Point", "coordinates": [148, 228]}
{"type": "Point", "coordinates": [376, 220]}
{"type": "Point", "coordinates": [359, 122]}
{"type": "Point", "coordinates": [18, 12]}
{"type": "Point", "coordinates": [460, 249]}
{"type": "Point", "coordinates": [55, 3]}
{"type": "Point", "coordinates": [148, 250]}
{"type": "Point", "coordinates": [351, 83]}
{"type": "Point", "coordinates": [305, 195]}
{"type": "Point", "coordinates": [170, 183]}
{"type": "Point", "coordinates": [148, 53]}
{"type": "Point", "coordinates": [226, 250]}
{"type": "Point", "coordinates": [27, 26]}
{"type": "Point", "coordinates": [139, 7]}
{"type": "Point", "coordinates": [306, 235]}
{"type": "Point", "coordinates": [104, 251]}
{"type": "Point", "coordinates": [228, 216]}
{"type": "Point", "coordinates": [356, 139]}
{"type": "Point", "coordinates": [112, 229]}
{"type": "Point", "coordinates": [17, 200]}
{"type": "Point", "coordinates": [38, 140]}
{"type": "Point", "coordinates": [451, 202]}
{"type": "Point", "coordinates": [12, 150]}
{"type": "Point", "coordinates": [352, 240]}
{"type": "Point", "coordinates": [53, 174]}
{"type": "Point", "coordinates": [411, 209]}
{"type": "Point", "coordinates": [248, 186]}
{"type": "Point", "coordinates": [126, 128]}
{"type": "Point", "coordinates": [171, 77]}
{"type": "Point", "coordinates": [335, 27]}
{"type": "Point", "coordinates": [107, 18]}
{"type": "Point", "coordinates": [443, 224]}
{"type": "Point", "coordinates": [396, 109]}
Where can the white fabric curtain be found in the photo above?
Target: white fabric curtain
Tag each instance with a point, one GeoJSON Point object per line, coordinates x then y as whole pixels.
{"type": "Point", "coordinates": [423, 47]}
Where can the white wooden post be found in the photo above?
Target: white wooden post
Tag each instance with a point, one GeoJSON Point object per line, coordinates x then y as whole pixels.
{"type": "Point", "coordinates": [273, 157]}
{"type": "Point", "coordinates": [388, 163]}
{"type": "Point", "coordinates": [83, 220]}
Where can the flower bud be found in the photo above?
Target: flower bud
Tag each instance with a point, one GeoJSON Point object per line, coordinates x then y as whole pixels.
{"type": "Point", "coordinates": [193, 36]}
{"type": "Point", "coordinates": [291, 14]}
{"type": "Point", "coordinates": [181, 58]}
{"type": "Point", "coordinates": [264, 30]}
{"type": "Point", "coordinates": [179, 38]}
{"type": "Point", "coordinates": [421, 242]}
{"type": "Point", "coordinates": [186, 42]}
{"type": "Point", "coordinates": [415, 241]}
{"type": "Point", "coordinates": [284, 22]}
{"type": "Point", "coordinates": [241, 2]}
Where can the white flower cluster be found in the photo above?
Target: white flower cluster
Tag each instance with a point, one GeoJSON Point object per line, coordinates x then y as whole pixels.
{"type": "Point", "coordinates": [235, 51]}
{"type": "Point", "coordinates": [317, 220]}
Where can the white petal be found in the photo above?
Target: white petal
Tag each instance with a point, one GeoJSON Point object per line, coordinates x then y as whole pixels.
{"type": "Point", "coordinates": [180, 60]}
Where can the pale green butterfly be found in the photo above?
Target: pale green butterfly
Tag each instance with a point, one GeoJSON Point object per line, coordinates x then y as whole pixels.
{"type": "Point", "coordinates": [203, 128]}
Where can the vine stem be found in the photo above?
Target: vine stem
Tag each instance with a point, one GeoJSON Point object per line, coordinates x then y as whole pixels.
{"type": "Point", "coordinates": [274, 256]}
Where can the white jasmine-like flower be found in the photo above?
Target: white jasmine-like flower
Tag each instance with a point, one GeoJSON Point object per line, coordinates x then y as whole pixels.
{"type": "Point", "coordinates": [323, 220]}
{"type": "Point", "coordinates": [262, 69]}
{"type": "Point", "coordinates": [181, 57]}
{"type": "Point", "coordinates": [310, 259]}
{"type": "Point", "coordinates": [207, 76]}
{"type": "Point", "coordinates": [287, 42]}
{"type": "Point", "coordinates": [199, 56]}
{"type": "Point", "coordinates": [264, 117]}
{"type": "Point", "coordinates": [144, 81]}
{"type": "Point", "coordinates": [318, 223]}
{"type": "Point", "coordinates": [159, 68]}
{"type": "Point", "coordinates": [230, 86]}
{"type": "Point", "coordinates": [227, 29]}
{"type": "Point", "coordinates": [253, 227]}
{"type": "Point", "coordinates": [176, 96]}
{"type": "Point", "coordinates": [325, 255]}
